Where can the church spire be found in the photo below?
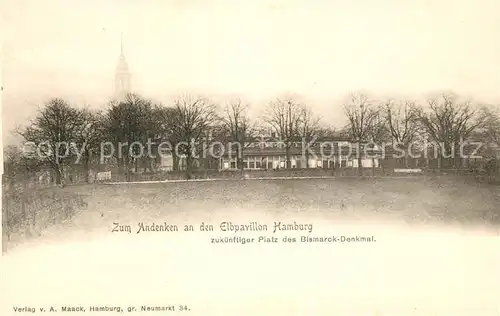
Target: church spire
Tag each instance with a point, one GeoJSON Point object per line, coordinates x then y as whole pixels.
{"type": "Point", "coordinates": [122, 75]}
{"type": "Point", "coordinates": [121, 45]}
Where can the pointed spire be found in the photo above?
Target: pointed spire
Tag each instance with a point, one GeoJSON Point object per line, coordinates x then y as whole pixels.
{"type": "Point", "coordinates": [121, 45]}
{"type": "Point", "coordinates": [122, 74]}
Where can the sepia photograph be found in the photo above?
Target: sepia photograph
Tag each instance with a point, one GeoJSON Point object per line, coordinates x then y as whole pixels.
{"type": "Point", "coordinates": [264, 157]}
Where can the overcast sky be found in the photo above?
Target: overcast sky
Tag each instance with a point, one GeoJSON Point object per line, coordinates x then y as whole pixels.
{"type": "Point", "coordinates": [256, 49]}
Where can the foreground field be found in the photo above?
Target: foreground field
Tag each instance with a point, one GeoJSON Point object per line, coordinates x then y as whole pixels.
{"type": "Point", "coordinates": [434, 253]}
{"type": "Point", "coordinates": [417, 200]}
{"type": "Point", "coordinates": [412, 200]}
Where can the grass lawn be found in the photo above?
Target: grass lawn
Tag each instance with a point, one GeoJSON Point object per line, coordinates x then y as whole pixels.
{"type": "Point", "coordinates": [416, 200]}
{"type": "Point", "coordinates": [430, 199]}
{"type": "Point", "coordinates": [79, 261]}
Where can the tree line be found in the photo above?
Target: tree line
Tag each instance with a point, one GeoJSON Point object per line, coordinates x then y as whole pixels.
{"type": "Point", "coordinates": [189, 120]}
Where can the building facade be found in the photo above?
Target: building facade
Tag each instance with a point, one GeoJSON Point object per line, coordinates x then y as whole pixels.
{"type": "Point", "coordinates": [270, 153]}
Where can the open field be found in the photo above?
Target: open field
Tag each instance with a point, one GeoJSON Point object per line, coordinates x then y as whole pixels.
{"type": "Point", "coordinates": [426, 201]}
{"type": "Point", "coordinates": [434, 255]}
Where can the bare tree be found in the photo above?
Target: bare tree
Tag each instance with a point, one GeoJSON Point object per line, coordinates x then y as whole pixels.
{"type": "Point", "coordinates": [18, 167]}
{"type": "Point", "coordinates": [165, 121]}
{"type": "Point", "coordinates": [361, 114]}
{"type": "Point", "coordinates": [309, 128]}
{"type": "Point", "coordinates": [284, 116]}
{"type": "Point", "coordinates": [193, 117]}
{"type": "Point", "coordinates": [54, 131]}
{"type": "Point", "coordinates": [88, 138]}
{"type": "Point", "coordinates": [12, 159]}
{"type": "Point", "coordinates": [489, 135]}
{"type": "Point", "coordinates": [125, 123]}
{"type": "Point", "coordinates": [491, 126]}
{"type": "Point", "coordinates": [402, 124]}
{"type": "Point", "coordinates": [239, 128]}
{"type": "Point", "coordinates": [447, 123]}
{"type": "Point", "coordinates": [379, 135]}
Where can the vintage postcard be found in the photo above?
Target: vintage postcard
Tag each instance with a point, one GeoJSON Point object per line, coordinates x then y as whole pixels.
{"type": "Point", "coordinates": [264, 157]}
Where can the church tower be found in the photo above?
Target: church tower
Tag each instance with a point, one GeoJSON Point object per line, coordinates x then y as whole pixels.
{"type": "Point", "coordinates": [122, 76]}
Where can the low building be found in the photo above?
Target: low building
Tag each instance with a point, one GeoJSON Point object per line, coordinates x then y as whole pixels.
{"type": "Point", "coordinates": [327, 152]}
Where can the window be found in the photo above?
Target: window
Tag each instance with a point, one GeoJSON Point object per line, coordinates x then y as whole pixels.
{"type": "Point", "coordinates": [252, 164]}
{"type": "Point", "coordinates": [233, 164]}
{"type": "Point", "coordinates": [258, 164]}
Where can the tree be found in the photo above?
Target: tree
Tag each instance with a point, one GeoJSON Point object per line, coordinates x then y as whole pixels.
{"type": "Point", "coordinates": [164, 120]}
{"type": "Point", "coordinates": [284, 116]}
{"type": "Point", "coordinates": [88, 138]}
{"type": "Point", "coordinates": [240, 130]}
{"type": "Point", "coordinates": [309, 128]}
{"type": "Point", "coordinates": [491, 126]}
{"type": "Point", "coordinates": [378, 135]}
{"type": "Point", "coordinates": [126, 123]}
{"type": "Point", "coordinates": [361, 115]}
{"type": "Point", "coordinates": [448, 122]}
{"type": "Point", "coordinates": [54, 131]}
{"type": "Point", "coordinates": [489, 135]}
{"type": "Point", "coordinates": [17, 165]}
{"type": "Point", "coordinates": [193, 117]}
{"type": "Point", "coordinates": [402, 124]}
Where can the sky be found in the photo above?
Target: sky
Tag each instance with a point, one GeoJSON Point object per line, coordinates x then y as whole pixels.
{"type": "Point", "coordinates": [257, 50]}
